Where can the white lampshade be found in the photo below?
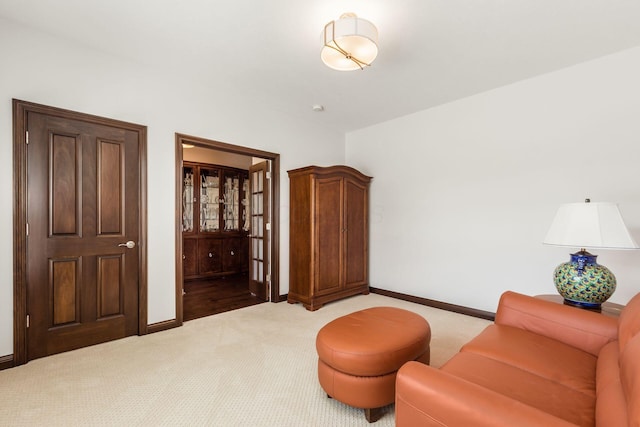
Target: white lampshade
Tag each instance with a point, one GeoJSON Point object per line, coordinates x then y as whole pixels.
{"type": "Point", "coordinates": [590, 225]}
{"type": "Point", "coordinates": [349, 43]}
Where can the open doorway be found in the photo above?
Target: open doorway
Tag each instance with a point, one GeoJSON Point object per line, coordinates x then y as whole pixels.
{"type": "Point", "coordinates": [244, 223]}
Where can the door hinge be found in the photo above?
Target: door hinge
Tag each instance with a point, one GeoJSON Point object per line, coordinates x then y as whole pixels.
{"type": "Point", "coordinates": [27, 320]}
{"type": "Point", "coordinates": [268, 278]}
{"type": "Point", "coordinates": [27, 228]}
{"type": "Point", "coordinates": [268, 175]}
{"type": "Point", "coordinates": [26, 137]}
{"type": "Point", "coordinates": [267, 226]}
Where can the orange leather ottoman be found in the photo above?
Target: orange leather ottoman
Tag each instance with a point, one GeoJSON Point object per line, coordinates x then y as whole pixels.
{"type": "Point", "coordinates": [359, 355]}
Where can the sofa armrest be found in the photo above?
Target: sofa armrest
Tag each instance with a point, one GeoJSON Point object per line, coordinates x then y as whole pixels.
{"type": "Point", "coordinates": [586, 330]}
{"type": "Point", "coordinates": [426, 396]}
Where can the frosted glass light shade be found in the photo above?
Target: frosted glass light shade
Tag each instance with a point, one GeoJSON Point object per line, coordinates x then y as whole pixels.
{"type": "Point", "coordinates": [350, 43]}
{"type": "Point", "coordinates": [589, 225]}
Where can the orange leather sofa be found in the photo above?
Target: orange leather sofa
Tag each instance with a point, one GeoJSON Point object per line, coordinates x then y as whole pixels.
{"type": "Point", "coordinates": [539, 364]}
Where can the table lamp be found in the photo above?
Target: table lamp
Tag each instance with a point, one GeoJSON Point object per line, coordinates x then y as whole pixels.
{"type": "Point", "coordinates": [582, 281]}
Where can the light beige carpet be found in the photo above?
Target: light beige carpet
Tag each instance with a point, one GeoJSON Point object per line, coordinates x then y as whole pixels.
{"type": "Point", "coordinates": [250, 367]}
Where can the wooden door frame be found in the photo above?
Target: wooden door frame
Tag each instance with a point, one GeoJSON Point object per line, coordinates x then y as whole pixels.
{"type": "Point", "coordinates": [275, 209]}
{"type": "Point", "coordinates": [20, 111]}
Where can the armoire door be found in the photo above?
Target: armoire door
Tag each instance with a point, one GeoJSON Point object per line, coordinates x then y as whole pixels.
{"type": "Point", "coordinates": [328, 235]}
{"type": "Point", "coordinates": [355, 235]}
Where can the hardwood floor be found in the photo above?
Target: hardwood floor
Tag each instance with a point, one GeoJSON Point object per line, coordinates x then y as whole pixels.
{"type": "Point", "coordinates": [211, 296]}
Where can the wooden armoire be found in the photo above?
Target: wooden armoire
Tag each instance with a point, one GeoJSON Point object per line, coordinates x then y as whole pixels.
{"type": "Point", "coordinates": [328, 234]}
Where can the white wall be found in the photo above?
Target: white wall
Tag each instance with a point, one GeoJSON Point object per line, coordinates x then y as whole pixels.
{"type": "Point", "coordinates": [39, 68]}
{"type": "Point", "coordinates": [463, 194]}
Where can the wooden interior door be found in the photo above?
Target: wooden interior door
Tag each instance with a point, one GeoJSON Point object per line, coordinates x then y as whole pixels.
{"type": "Point", "coordinates": [84, 233]}
{"type": "Point", "coordinates": [259, 230]}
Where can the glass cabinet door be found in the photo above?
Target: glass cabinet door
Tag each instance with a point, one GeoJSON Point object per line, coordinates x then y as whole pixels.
{"type": "Point", "coordinates": [209, 200]}
{"type": "Point", "coordinates": [232, 201]}
{"type": "Point", "coordinates": [188, 198]}
{"type": "Point", "coordinates": [245, 203]}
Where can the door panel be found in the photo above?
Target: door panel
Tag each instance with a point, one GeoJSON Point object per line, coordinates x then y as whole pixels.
{"type": "Point", "coordinates": [110, 269]}
{"type": "Point", "coordinates": [110, 161]}
{"type": "Point", "coordinates": [64, 283]}
{"type": "Point", "coordinates": [259, 233]}
{"type": "Point", "coordinates": [83, 203]}
{"type": "Point", "coordinates": [65, 151]}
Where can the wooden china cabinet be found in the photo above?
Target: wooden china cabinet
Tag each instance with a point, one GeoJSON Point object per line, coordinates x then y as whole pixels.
{"type": "Point", "coordinates": [328, 234]}
{"type": "Point", "coordinates": [215, 203]}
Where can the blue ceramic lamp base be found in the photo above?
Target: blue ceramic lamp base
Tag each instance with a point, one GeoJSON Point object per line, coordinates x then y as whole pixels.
{"type": "Point", "coordinates": [583, 282]}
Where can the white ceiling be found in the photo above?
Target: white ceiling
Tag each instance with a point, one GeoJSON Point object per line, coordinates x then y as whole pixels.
{"type": "Point", "coordinates": [431, 51]}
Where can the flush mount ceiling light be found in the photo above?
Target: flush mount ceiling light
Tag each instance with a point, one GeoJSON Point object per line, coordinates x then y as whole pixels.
{"type": "Point", "coordinates": [350, 43]}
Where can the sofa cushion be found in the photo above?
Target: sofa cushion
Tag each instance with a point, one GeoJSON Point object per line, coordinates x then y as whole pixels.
{"type": "Point", "coordinates": [539, 355]}
{"type": "Point", "coordinates": [374, 341]}
{"type": "Point", "coordinates": [629, 322]}
{"type": "Point", "coordinates": [583, 329]}
{"type": "Point", "coordinates": [429, 397]}
{"type": "Point", "coordinates": [611, 405]}
{"type": "Point", "coordinates": [531, 389]}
